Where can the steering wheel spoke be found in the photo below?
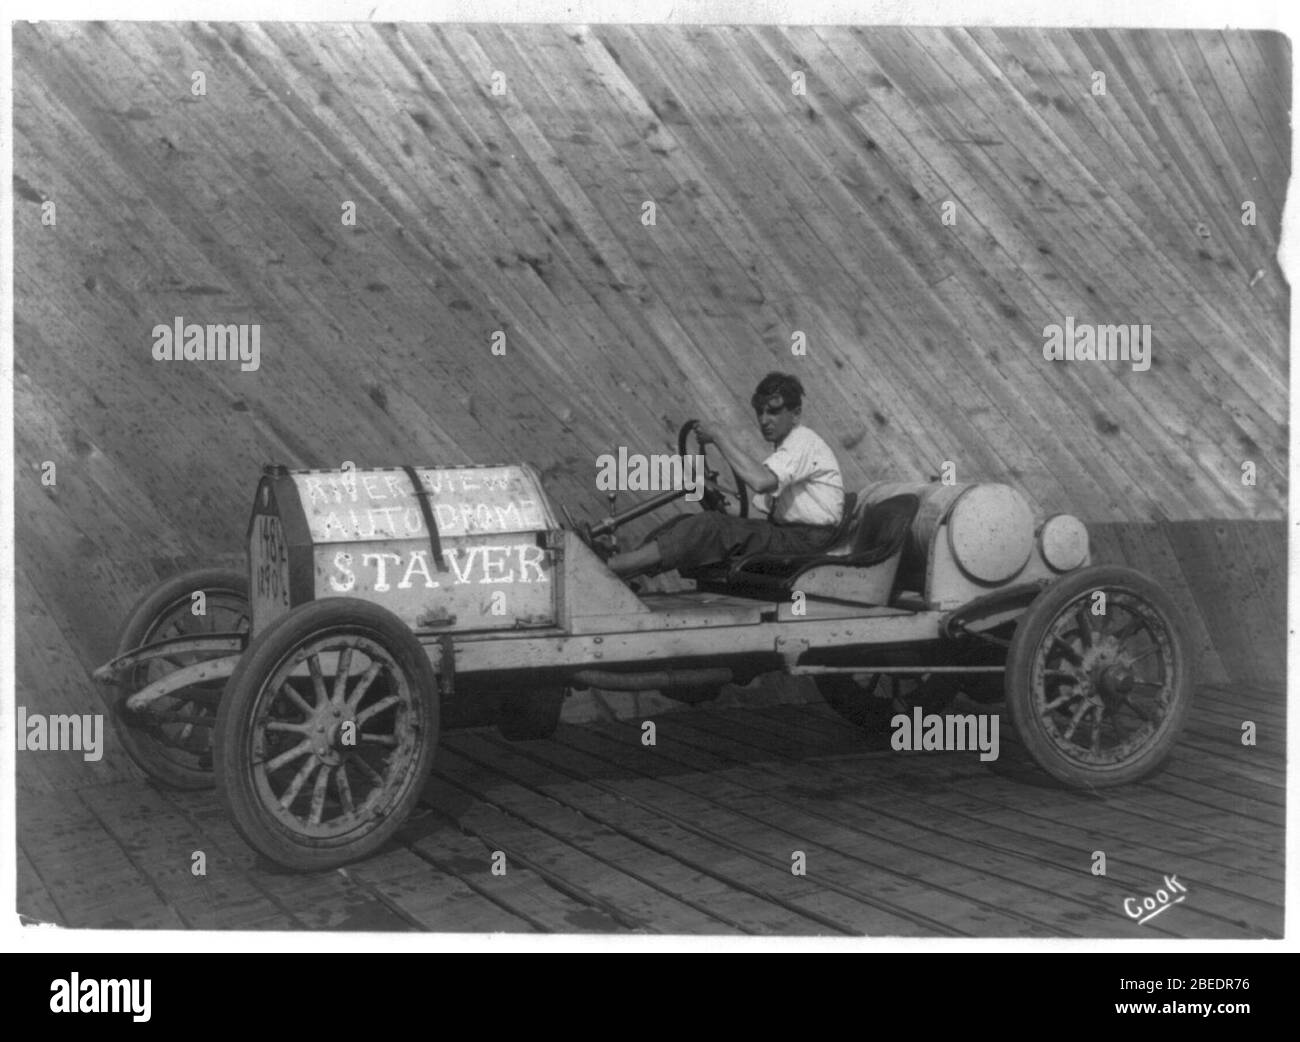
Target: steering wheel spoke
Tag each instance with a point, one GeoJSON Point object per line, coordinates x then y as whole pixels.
{"type": "Point", "coordinates": [724, 496]}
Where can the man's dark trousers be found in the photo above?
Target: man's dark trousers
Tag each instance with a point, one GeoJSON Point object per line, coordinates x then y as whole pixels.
{"type": "Point", "coordinates": [694, 540]}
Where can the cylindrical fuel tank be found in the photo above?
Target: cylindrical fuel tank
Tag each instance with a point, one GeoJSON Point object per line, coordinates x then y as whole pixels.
{"type": "Point", "coordinates": [936, 500]}
{"type": "Point", "coordinates": [990, 527]}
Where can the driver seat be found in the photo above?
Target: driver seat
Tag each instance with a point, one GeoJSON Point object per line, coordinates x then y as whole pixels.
{"type": "Point", "coordinates": [870, 539]}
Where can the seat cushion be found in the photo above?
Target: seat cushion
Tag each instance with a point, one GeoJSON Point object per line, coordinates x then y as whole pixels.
{"type": "Point", "coordinates": [873, 534]}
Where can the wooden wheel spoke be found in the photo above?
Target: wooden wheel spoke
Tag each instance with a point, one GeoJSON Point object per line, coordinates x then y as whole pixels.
{"type": "Point", "coordinates": [187, 712]}
{"type": "Point", "coordinates": [300, 779]}
{"type": "Point", "coordinates": [291, 693]}
{"type": "Point", "coordinates": [344, 788]}
{"type": "Point", "coordinates": [1086, 636]}
{"type": "Point", "coordinates": [1070, 652]}
{"type": "Point", "coordinates": [317, 680]}
{"type": "Point", "coordinates": [341, 677]}
{"type": "Point", "coordinates": [285, 725]}
{"type": "Point", "coordinates": [378, 707]}
{"type": "Point", "coordinates": [301, 749]}
{"type": "Point", "coordinates": [381, 739]}
{"type": "Point", "coordinates": [360, 763]}
{"type": "Point", "coordinates": [363, 685]}
{"type": "Point", "coordinates": [1059, 701]}
{"type": "Point", "coordinates": [318, 795]}
{"type": "Point", "coordinates": [1099, 716]}
{"type": "Point", "coordinates": [1128, 629]}
{"type": "Point", "coordinates": [1074, 722]}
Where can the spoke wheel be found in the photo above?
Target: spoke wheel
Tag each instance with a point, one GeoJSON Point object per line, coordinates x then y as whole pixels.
{"type": "Point", "coordinates": [327, 733]}
{"type": "Point", "coordinates": [872, 700]}
{"type": "Point", "coordinates": [1099, 700]}
{"type": "Point", "coordinates": [171, 741]}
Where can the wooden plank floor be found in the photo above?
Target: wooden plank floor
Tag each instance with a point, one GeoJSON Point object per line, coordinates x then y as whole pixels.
{"type": "Point", "coordinates": [597, 832]}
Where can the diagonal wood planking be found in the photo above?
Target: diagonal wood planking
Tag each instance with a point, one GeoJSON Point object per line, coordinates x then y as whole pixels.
{"type": "Point", "coordinates": [775, 212]}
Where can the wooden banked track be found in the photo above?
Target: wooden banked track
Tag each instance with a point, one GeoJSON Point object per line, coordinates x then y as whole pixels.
{"type": "Point", "coordinates": [598, 833]}
{"type": "Point", "coordinates": [776, 212]}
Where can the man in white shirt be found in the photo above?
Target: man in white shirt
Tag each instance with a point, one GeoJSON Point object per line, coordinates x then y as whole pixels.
{"type": "Point", "coordinates": [799, 485]}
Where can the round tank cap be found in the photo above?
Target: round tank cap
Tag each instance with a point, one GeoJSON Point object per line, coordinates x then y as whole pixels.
{"type": "Point", "coordinates": [991, 532]}
{"type": "Point", "coordinates": [1064, 540]}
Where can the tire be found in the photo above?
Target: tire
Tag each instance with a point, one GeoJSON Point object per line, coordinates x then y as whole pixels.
{"type": "Point", "coordinates": [526, 715]}
{"type": "Point", "coordinates": [279, 728]}
{"type": "Point", "coordinates": [1130, 671]}
{"type": "Point", "coordinates": [864, 701]}
{"type": "Point", "coordinates": [175, 754]}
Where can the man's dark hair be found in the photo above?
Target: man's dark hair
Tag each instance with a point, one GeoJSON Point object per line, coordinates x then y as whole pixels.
{"type": "Point", "coordinates": [787, 386]}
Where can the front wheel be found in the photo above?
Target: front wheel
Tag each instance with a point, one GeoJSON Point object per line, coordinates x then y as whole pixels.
{"type": "Point", "coordinates": [1099, 677]}
{"type": "Point", "coordinates": [327, 733]}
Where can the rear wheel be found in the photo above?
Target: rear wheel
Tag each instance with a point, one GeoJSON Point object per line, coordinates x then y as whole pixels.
{"type": "Point", "coordinates": [327, 733]}
{"type": "Point", "coordinates": [1099, 687]}
{"type": "Point", "coordinates": [171, 741]}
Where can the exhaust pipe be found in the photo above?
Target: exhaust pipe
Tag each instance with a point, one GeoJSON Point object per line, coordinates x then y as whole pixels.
{"type": "Point", "coordinates": [659, 680]}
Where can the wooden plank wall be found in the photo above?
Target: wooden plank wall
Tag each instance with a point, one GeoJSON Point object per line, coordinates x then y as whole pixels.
{"type": "Point", "coordinates": [522, 212]}
{"type": "Point", "coordinates": [1229, 582]}
{"type": "Point", "coordinates": [775, 211]}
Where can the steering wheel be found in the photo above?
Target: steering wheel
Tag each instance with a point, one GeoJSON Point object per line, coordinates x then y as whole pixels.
{"type": "Point", "coordinates": [725, 497]}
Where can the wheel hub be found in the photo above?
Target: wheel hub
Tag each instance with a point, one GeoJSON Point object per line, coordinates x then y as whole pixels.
{"type": "Point", "coordinates": [326, 728]}
{"type": "Point", "coordinates": [1103, 675]}
{"type": "Point", "coordinates": [1116, 681]}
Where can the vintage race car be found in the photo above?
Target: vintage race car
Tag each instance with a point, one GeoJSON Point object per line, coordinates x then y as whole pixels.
{"type": "Point", "coordinates": [381, 606]}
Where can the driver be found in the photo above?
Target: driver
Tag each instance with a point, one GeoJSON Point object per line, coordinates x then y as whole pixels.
{"type": "Point", "coordinates": [799, 485]}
